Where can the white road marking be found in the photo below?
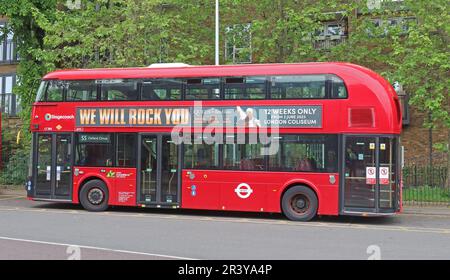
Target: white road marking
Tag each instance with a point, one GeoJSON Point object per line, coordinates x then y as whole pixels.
{"type": "Point", "coordinates": [94, 248]}
{"type": "Point", "coordinates": [10, 197]}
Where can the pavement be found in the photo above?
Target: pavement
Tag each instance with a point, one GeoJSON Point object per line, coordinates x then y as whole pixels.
{"type": "Point", "coordinates": [43, 230]}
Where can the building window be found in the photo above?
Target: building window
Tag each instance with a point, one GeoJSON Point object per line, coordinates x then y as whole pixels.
{"type": "Point", "coordinates": [8, 53]}
{"type": "Point", "coordinates": [8, 100]}
{"type": "Point", "coordinates": [238, 43]}
{"type": "Point", "coordinates": [393, 5]}
{"type": "Point", "coordinates": [330, 34]}
{"type": "Point", "coordinates": [403, 24]}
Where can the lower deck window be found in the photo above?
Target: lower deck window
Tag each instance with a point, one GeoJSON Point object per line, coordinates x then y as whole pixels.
{"type": "Point", "coordinates": [94, 149]}
{"type": "Point", "coordinates": [201, 155]}
{"type": "Point", "coordinates": [305, 153]}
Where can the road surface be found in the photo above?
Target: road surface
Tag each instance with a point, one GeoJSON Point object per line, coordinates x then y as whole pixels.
{"type": "Point", "coordinates": [41, 230]}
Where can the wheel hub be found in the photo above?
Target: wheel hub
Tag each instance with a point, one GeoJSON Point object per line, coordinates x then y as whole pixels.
{"type": "Point", "coordinates": [95, 196]}
{"type": "Point", "coordinates": [300, 204]}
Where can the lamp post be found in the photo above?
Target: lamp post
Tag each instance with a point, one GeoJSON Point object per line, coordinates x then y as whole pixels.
{"type": "Point", "coordinates": [217, 33]}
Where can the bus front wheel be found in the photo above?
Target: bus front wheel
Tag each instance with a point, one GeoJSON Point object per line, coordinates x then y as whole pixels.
{"type": "Point", "coordinates": [299, 203]}
{"type": "Point", "coordinates": [94, 196]}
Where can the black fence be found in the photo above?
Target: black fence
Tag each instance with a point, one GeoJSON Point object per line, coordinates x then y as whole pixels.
{"type": "Point", "coordinates": [425, 185]}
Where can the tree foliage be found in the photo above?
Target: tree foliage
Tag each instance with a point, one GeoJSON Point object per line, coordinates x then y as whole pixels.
{"type": "Point", "coordinates": [121, 33]}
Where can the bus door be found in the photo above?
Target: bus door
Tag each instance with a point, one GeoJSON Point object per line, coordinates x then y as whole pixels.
{"type": "Point", "coordinates": [158, 170]}
{"type": "Point", "coordinates": [370, 174]}
{"type": "Point", "coordinates": [53, 166]}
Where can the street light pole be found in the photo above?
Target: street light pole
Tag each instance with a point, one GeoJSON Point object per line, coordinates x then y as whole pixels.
{"type": "Point", "coordinates": [217, 32]}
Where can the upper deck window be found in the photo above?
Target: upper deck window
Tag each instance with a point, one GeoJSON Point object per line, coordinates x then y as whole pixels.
{"type": "Point", "coordinates": [298, 87]}
{"type": "Point", "coordinates": [81, 91]}
{"type": "Point", "coordinates": [162, 89]}
{"type": "Point", "coordinates": [40, 96]}
{"type": "Point", "coordinates": [119, 90]}
{"type": "Point", "coordinates": [55, 90]}
{"type": "Point", "coordinates": [245, 88]}
{"type": "Point", "coordinates": [338, 89]}
{"type": "Point", "coordinates": [200, 89]}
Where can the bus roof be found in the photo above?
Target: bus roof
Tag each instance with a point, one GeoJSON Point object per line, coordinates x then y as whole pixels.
{"type": "Point", "coordinates": [206, 71]}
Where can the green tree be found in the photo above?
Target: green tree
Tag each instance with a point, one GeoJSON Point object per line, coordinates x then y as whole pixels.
{"type": "Point", "coordinates": [24, 17]}
{"type": "Point", "coordinates": [423, 63]}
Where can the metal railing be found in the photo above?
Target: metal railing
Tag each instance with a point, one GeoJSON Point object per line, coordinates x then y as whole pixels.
{"type": "Point", "coordinates": [425, 185]}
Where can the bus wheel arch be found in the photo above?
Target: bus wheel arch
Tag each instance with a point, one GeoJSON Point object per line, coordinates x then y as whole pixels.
{"type": "Point", "coordinates": [299, 202]}
{"type": "Point", "coordinates": [94, 194]}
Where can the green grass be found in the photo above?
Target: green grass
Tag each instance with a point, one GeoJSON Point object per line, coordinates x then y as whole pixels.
{"type": "Point", "coordinates": [426, 194]}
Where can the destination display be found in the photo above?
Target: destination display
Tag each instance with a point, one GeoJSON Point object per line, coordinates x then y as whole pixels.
{"type": "Point", "coordinates": [255, 116]}
{"type": "Point", "coordinates": [103, 138]}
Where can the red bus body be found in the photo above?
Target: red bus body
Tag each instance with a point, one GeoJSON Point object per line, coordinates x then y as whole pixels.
{"type": "Point", "coordinates": [371, 110]}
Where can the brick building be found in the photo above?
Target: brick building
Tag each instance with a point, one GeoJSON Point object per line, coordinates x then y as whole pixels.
{"type": "Point", "coordinates": [417, 140]}
{"type": "Point", "coordinates": [8, 67]}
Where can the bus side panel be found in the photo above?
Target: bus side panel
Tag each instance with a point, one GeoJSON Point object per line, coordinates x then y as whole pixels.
{"type": "Point", "coordinates": [200, 192]}
{"type": "Point", "coordinates": [327, 193]}
{"type": "Point", "coordinates": [124, 193]}
{"type": "Point", "coordinates": [121, 183]}
{"type": "Point", "coordinates": [82, 174]}
{"type": "Point", "coordinates": [253, 191]}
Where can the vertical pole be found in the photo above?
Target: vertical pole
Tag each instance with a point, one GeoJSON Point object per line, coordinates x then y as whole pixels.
{"type": "Point", "coordinates": [217, 33]}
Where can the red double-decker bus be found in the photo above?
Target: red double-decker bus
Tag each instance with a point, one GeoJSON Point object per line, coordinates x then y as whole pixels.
{"type": "Point", "coordinates": [302, 139]}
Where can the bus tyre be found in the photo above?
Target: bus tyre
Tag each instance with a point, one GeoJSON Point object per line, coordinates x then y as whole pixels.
{"type": "Point", "coordinates": [299, 203]}
{"type": "Point", "coordinates": [94, 196]}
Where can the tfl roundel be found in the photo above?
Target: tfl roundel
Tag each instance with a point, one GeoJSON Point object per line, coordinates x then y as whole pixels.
{"type": "Point", "coordinates": [243, 190]}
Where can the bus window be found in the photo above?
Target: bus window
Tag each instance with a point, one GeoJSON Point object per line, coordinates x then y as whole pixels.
{"type": "Point", "coordinates": [201, 155]}
{"type": "Point", "coordinates": [201, 89]}
{"type": "Point", "coordinates": [298, 87]}
{"type": "Point", "coordinates": [338, 89]}
{"type": "Point", "coordinates": [305, 153]}
{"type": "Point", "coordinates": [245, 88]}
{"type": "Point", "coordinates": [119, 90]}
{"type": "Point", "coordinates": [55, 91]}
{"type": "Point", "coordinates": [94, 149]}
{"type": "Point", "coordinates": [126, 152]}
{"type": "Point", "coordinates": [81, 91]}
{"type": "Point", "coordinates": [162, 89]}
{"type": "Point", "coordinates": [41, 92]}
{"type": "Point", "coordinates": [242, 152]}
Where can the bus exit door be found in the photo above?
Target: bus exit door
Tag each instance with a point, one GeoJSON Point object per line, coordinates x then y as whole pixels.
{"type": "Point", "coordinates": [53, 166]}
{"type": "Point", "coordinates": [370, 179]}
{"type": "Point", "coordinates": [158, 170]}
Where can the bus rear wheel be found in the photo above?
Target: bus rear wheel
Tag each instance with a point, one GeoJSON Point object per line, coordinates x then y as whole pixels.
{"type": "Point", "coordinates": [94, 196]}
{"type": "Point", "coordinates": [299, 203]}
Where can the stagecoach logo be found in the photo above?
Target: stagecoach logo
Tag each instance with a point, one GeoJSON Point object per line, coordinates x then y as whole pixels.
{"type": "Point", "coordinates": [243, 190]}
{"type": "Point", "coordinates": [49, 117]}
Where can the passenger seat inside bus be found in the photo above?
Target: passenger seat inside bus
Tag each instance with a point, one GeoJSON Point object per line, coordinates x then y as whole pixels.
{"type": "Point", "coordinates": [306, 165]}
